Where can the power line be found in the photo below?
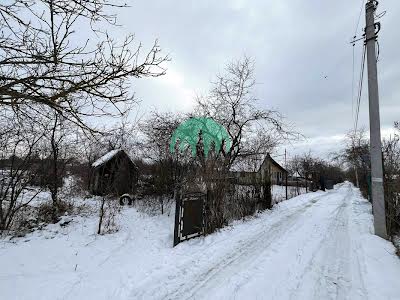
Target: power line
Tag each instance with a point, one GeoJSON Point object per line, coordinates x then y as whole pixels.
{"type": "Point", "coordinates": [360, 86]}
{"type": "Point", "coordinates": [379, 50]}
{"type": "Point", "coordinates": [353, 44]}
{"type": "Point", "coordinates": [359, 17]}
{"type": "Point", "coordinates": [352, 86]}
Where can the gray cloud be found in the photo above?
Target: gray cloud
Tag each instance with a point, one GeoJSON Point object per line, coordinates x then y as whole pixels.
{"type": "Point", "coordinates": [295, 44]}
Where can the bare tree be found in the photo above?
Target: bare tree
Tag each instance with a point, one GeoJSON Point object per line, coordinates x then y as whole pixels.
{"type": "Point", "coordinates": [109, 210]}
{"type": "Point", "coordinates": [61, 142]}
{"type": "Point", "coordinates": [168, 168]}
{"type": "Point", "coordinates": [391, 158]}
{"type": "Point", "coordinates": [355, 151]}
{"type": "Point", "coordinates": [44, 62]}
{"type": "Point", "coordinates": [18, 145]}
{"type": "Point", "coordinates": [157, 130]}
{"type": "Point", "coordinates": [355, 156]}
{"type": "Point", "coordinates": [123, 135]}
{"type": "Point", "coordinates": [232, 104]}
{"type": "Point", "coordinates": [108, 214]}
{"type": "Point", "coordinates": [315, 171]}
{"type": "Point", "coordinates": [256, 149]}
{"type": "Point", "coordinates": [304, 165]}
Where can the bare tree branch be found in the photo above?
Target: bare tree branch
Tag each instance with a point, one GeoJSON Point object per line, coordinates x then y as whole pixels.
{"type": "Point", "coordinates": [43, 63]}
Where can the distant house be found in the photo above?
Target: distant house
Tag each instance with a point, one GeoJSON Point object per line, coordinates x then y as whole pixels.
{"type": "Point", "coordinates": [268, 170]}
{"type": "Point", "coordinates": [296, 177]}
{"type": "Point", "coordinates": [269, 167]}
{"type": "Point", "coordinates": [113, 173]}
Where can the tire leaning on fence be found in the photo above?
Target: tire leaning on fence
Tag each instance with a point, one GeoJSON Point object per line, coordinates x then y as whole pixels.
{"type": "Point", "coordinates": [125, 200]}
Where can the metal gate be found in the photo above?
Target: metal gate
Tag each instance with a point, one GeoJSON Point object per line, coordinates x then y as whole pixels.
{"type": "Point", "coordinates": [189, 217]}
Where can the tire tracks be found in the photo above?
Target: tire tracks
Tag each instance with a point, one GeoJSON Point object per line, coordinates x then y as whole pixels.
{"type": "Point", "coordinates": [246, 255]}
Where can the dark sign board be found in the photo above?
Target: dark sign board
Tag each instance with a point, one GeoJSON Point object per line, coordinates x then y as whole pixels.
{"type": "Point", "coordinates": [192, 216]}
{"type": "Point", "coordinates": [189, 217]}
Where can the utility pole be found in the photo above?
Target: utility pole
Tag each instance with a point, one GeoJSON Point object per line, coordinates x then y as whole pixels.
{"type": "Point", "coordinates": [378, 198]}
{"type": "Point", "coordinates": [286, 175]}
{"type": "Point", "coordinates": [357, 182]}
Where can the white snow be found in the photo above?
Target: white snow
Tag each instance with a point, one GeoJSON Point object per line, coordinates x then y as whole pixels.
{"type": "Point", "coordinates": [106, 157]}
{"type": "Point", "coordinates": [315, 246]}
{"type": "Point", "coordinates": [279, 192]}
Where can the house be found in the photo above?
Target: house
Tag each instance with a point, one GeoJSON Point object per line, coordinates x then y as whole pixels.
{"type": "Point", "coordinates": [252, 181]}
{"type": "Point", "coordinates": [268, 171]}
{"type": "Point", "coordinates": [269, 167]}
{"type": "Point", "coordinates": [296, 179]}
{"type": "Point", "coordinates": [113, 173]}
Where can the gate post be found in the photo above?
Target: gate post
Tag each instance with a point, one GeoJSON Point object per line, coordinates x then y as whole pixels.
{"type": "Point", "coordinates": [177, 216]}
{"type": "Point", "coordinates": [267, 194]}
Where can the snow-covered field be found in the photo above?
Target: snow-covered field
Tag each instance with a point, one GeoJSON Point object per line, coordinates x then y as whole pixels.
{"type": "Point", "coordinates": [315, 246]}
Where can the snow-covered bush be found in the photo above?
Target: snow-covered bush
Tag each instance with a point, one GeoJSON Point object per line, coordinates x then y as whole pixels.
{"type": "Point", "coordinates": [46, 211]}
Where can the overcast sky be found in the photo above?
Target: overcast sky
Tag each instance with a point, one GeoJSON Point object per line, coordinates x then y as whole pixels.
{"type": "Point", "coordinates": [294, 43]}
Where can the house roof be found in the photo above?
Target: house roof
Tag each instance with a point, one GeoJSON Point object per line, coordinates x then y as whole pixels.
{"type": "Point", "coordinates": [108, 156]}
{"type": "Point", "coordinates": [296, 174]}
{"type": "Point", "coordinates": [255, 165]}
{"type": "Point", "coordinates": [248, 166]}
{"type": "Point", "coordinates": [268, 157]}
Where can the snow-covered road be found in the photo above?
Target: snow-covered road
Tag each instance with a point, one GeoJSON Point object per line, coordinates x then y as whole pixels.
{"type": "Point", "coordinates": [315, 246]}
{"type": "Point", "coordinates": [306, 251]}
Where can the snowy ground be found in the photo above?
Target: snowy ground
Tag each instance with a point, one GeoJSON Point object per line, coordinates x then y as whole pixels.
{"type": "Point", "coordinates": [279, 192]}
{"type": "Point", "coordinates": [315, 246]}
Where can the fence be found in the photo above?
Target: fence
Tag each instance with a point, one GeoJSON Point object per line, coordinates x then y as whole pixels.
{"type": "Point", "coordinates": [392, 203]}
{"type": "Point", "coordinates": [278, 192]}
{"type": "Point", "coordinates": [245, 199]}
{"type": "Point", "coordinates": [203, 210]}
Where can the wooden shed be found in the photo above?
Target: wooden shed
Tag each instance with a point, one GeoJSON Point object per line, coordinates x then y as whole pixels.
{"type": "Point", "coordinates": [113, 173]}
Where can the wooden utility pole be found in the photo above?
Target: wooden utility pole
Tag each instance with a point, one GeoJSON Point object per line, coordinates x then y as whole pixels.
{"type": "Point", "coordinates": [378, 198]}
{"type": "Point", "coordinates": [286, 175]}
{"type": "Point", "coordinates": [357, 182]}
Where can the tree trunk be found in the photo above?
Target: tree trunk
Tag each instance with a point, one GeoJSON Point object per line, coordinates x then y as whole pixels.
{"type": "Point", "coordinates": [54, 179]}
{"type": "Point", "coordinates": [357, 181]}
{"type": "Point", "coordinates": [101, 217]}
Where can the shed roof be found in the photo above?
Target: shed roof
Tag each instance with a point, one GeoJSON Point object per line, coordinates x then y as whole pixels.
{"type": "Point", "coordinates": [106, 157]}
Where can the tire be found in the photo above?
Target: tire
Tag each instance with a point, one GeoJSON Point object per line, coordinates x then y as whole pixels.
{"type": "Point", "coordinates": [125, 200]}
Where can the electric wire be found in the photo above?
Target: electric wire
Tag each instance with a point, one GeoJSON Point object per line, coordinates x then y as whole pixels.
{"type": "Point", "coordinates": [353, 73]}
{"type": "Point", "coordinates": [359, 17]}
{"type": "Point", "coordinates": [360, 87]}
{"type": "Point", "coordinates": [352, 84]}
{"type": "Point", "coordinates": [377, 56]}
